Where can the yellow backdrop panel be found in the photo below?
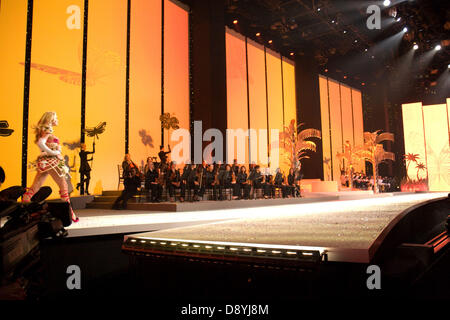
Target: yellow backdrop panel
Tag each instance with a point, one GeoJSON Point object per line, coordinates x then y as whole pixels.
{"type": "Point", "coordinates": [55, 81]}
{"type": "Point", "coordinates": [437, 147]}
{"type": "Point", "coordinates": [358, 125]}
{"type": "Point", "coordinates": [257, 94]}
{"type": "Point", "coordinates": [347, 114]}
{"type": "Point", "coordinates": [105, 91]}
{"type": "Point", "coordinates": [176, 63]}
{"type": "Point", "coordinates": [414, 134]}
{"type": "Point", "coordinates": [336, 126]}
{"type": "Point", "coordinates": [325, 120]}
{"type": "Point", "coordinates": [13, 20]}
{"type": "Point", "coordinates": [275, 98]}
{"type": "Point", "coordinates": [290, 102]}
{"type": "Point", "coordinates": [237, 113]}
{"type": "Point", "coordinates": [145, 79]}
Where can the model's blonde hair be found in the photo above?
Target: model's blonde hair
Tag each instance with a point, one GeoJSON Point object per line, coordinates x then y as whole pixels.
{"type": "Point", "coordinates": [44, 125]}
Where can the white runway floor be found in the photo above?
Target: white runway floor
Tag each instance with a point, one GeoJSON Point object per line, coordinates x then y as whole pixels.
{"type": "Point", "coordinates": [330, 217]}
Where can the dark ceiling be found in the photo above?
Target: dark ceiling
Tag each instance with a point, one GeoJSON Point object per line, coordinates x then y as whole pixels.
{"type": "Point", "coordinates": [335, 34]}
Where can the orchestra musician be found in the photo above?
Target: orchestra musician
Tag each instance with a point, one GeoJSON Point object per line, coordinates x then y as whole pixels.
{"type": "Point", "coordinates": [193, 181]}
{"type": "Point", "coordinates": [243, 183]}
{"type": "Point", "coordinates": [173, 181]}
{"type": "Point", "coordinates": [269, 187]}
{"type": "Point", "coordinates": [291, 186]}
{"type": "Point", "coordinates": [152, 181]}
{"type": "Point", "coordinates": [279, 182]}
{"type": "Point", "coordinates": [132, 181]}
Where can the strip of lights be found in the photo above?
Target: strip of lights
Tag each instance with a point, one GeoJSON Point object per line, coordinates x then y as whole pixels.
{"type": "Point", "coordinates": [172, 246]}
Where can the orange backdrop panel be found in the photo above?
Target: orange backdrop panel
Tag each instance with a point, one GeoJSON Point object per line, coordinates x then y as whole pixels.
{"type": "Point", "coordinates": [358, 125]}
{"type": "Point", "coordinates": [13, 20]}
{"type": "Point", "coordinates": [325, 120]}
{"type": "Point", "coordinates": [336, 126]}
{"type": "Point", "coordinates": [414, 134]}
{"type": "Point", "coordinates": [145, 79]}
{"type": "Point", "coordinates": [176, 63]}
{"type": "Point", "coordinates": [347, 113]}
{"type": "Point", "coordinates": [237, 113]}
{"type": "Point", "coordinates": [105, 91]}
{"type": "Point", "coordinates": [55, 81]}
{"type": "Point", "coordinates": [257, 94]}
{"type": "Point", "coordinates": [290, 102]}
{"type": "Point", "coordinates": [437, 147]}
{"type": "Point", "coordinates": [275, 98]}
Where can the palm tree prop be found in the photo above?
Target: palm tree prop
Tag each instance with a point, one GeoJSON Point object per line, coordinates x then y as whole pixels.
{"type": "Point", "coordinates": [410, 157]}
{"type": "Point", "coordinates": [169, 122]}
{"type": "Point", "coordinates": [420, 167]}
{"type": "Point", "coordinates": [373, 151]}
{"type": "Point", "coordinates": [351, 157]}
{"type": "Point", "coordinates": [295, 144]}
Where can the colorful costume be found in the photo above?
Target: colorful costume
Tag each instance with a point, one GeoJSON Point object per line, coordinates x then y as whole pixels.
{"type": "Point", "coordinates": [50, 162]}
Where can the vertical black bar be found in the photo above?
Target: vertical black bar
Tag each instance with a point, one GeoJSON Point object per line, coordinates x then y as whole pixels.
{"type": "Point", "coordinates": [267, 106]}
{"type": "Point", "coordinates": [127, 81]}
{"type": "Point", "coordinates": [83, 70]}
{"type": "Point", "coordinates": [248, 102]}
{"type": "Point", "coordinates": [162, 68]}
{"type": "Point", "coordinates": [26, 92]}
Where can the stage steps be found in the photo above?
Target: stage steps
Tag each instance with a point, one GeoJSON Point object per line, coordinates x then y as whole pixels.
{"type": "Point", "coordinates": [106, 201]}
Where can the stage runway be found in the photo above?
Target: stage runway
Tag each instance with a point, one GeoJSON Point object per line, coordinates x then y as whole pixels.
{"type": "Point", "coordinates": [346, 230]}
{"type": "Point", "coordinates": [357, 221]}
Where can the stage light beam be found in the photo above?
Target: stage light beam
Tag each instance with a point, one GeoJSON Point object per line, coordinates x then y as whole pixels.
{"type": "Point", "coordinates": [387, 3]}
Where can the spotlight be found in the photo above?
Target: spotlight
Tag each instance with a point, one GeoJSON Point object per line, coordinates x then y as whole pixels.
{"type": "Point", "coordinates": [258, 34]}
{"type": "Point", "coordinates": [438, 47]}
{"type": "Point", "coordinates": [291, 53]}
{"type": "Point", "coordinates": [398, 19]}
{"type": "Point", "coordinates": [405, 29]}
{"type": "Point", "coordinates": [356, 40]}
{"type": "Point", "coordinates": [416, 46]}
{"type": "Point", "coordinates": [448, 67]}
{"type": "Point", "coordinates": [270, 41]}
{"type": "Point", "coordinates": [235, 22]}
{"type": "Point", "coordinates": [345, 31]}
{"type": "Point", "coordinates": [332, 21]}
{"type": "Point", "coordinates": [387, 3]}
{"type": "Point", "coordinates": [318, 9]}
{"type": "Point", "coordinates": [365, 50]}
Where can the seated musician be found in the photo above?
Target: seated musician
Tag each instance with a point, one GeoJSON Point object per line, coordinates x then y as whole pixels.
{"type": "Point", "coordinates": [210, 180]}
{"type": "Point", "coordinates": [151, 181]}
{"type": "Point", "coordinates": [173, 181]}
{"type": "Point", "coordinates": [291, 183]}
{"type": "Point", "coordinates": [184, 181]}
{"type": "Point", "coordinates": [279, 182]}
{"type": "Point", "coordinates": [243, 183]}
{"type": "Point", "coordinates": [235, 167]}
{"type": "Point", "coordinates": [193, 181]}
{"type": "Point", "coordinates": [225, 180]}
{"type": "Point", "coordinates": [132, 181]}
{"type": "Point", "coordinates": [127, 164]}
{"type": "Point", "coordinates": [202, 170]}
{"type": "Point", "coordinates": [269, 187]}
{"type": "Point", "coordinates": [256, 178]}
